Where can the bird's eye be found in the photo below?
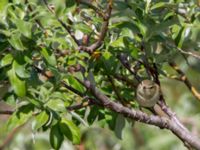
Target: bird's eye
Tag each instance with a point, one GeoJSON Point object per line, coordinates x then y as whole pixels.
{"type": "Point", "coordinates": [151, 87]}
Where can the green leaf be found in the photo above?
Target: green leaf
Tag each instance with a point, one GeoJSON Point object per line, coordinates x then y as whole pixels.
{"type": "Point", "coordinates": [18, 85]}
{"type": "Point", "coordinates": [49, 56]}
{"type": "Point", "coordinates": [24, 27]}
{"type": "Point", "coordinates": [70, 5]}
{"type": "Point", "coordinates": [56, 105]}
{"type": "Point", "coordinates": [40, 120]}
{"type": "Point", "coordinates": [158, 5]}
{"type": "Point", "coordinates": [70, 130]}
{"type": "Point", "coordinates": [35, 102]}
{"type": "Point", "coordinates": [119, 125]}
{"type": "Point", "coordinates": [16, 42]}
{"type": "Point", "coordinates": [83, 27]}
{"type": "Point", "coordinates": [3, 4]}
{"type": "Point", "coordinates": [142, 27]}
{"type": "Point", "coordinates": [180, 37]}
{"type": "Point", "coordinates": [56, 137]}
{"type": "Point", "coordinates": [75, 84]}
{"type": "Point", "coordinates": [20, 70]}
{"type": "Point", "coordinates": [23, 114]}
{"type": "Point", "coordinates": [6, 60]}
{"type": "Point", "coordinates": [118, 43]}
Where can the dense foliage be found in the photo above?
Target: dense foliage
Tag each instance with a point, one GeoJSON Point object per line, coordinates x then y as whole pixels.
{"type": "Point", "coordinates": [48, 48]}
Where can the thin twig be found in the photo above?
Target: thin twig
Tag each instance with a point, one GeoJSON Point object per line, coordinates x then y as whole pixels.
{"type": "Point", "coordinates": [10, 136]}
{"type": "Point", "coordinates": [72, 89]}
{"type": "Point", "coordinates": [36, 20]}
{"type": "Point", "coordinates": [81, 105]}
{"type": "Point", "coordinates": [116, 90]}
{"type": "Point", "coordinates": [126, 64]}
{"type": "Point", "coordinates": [62, 23]}
{"type": "Point", "coordinates": [6, 112]}
{"type": "Point", "coordinates": [103, 31]}
{"type": "Point", "coordinates": [128, 81]}
{"type": "Point", "coordinates": [97, 10]}
{"type": "Point", "coordinates": [185, 80]}
{"type": "Point", "coordinates": [193, 54]}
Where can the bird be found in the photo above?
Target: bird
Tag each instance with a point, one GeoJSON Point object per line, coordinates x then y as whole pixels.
{"type": "Point", "coordinates": [148, 93]}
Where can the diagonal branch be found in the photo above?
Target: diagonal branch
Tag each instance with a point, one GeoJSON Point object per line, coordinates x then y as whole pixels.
{"type": "Point", "coordinates": [116, 90]}
{"type": "Point", "coordinates": [103, 31]}
{"type": "Point", "coordinates": [178, 129]}
{"type": "Point", "coordinates": [190, 53]}
{"type": "Point", "coordinates": [185, 80]}
{"type": "Point", "coordinates": [126, 64]}
{"type": "Point", "coordinates": [126, 80]}
{"type": "Point", "coordinates": [96, 9]}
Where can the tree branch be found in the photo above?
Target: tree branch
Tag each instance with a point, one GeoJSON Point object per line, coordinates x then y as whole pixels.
{"type": "Point", "coordinates": [62, 23]}
{"type": "Point", "coordinates": [126, 80]}
{"type": "Point", "coordinates": [125, 63]}
{"type": "Point", "coordinates": [10, 136]}
{"type": "Point", "coordinates": [162, 122]}
{"type": "Point", "coordinates": [116, 90]}
{"type": "Point", "coordinates": [97, 10]}
{"type": "Point", "coordinates": [103, 31]}
{"type": "Point", "coordinates": [193, 54]}
{"type": "Point", "coordinates": [185, 80]}
{"type": "Point", "coordinates": [6, 112]}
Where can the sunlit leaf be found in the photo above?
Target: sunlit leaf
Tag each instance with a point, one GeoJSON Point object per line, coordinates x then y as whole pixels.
{"type": "Point", "coordinates": [18, 85]}
{"type": "Point", "coordinates": [24, 27]}
{"type": "Point", "coordinates": [20, 70]}
{"type": "Point", "coordinates": [49, 56]}
{"type": "Point", "coordinates": [16, 42]}
{"type": "Point", "coordinates": [6, 60]}
{"type": "Point", "coordinates": [40, 120]}
{"type": "Point", "coordinates": [21, 116]}
{"type": "Point", "coordinates": [70, 130]}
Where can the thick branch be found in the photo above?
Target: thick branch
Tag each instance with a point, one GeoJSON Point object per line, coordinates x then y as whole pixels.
{"type": "Point", "coordinates": [161, 122]}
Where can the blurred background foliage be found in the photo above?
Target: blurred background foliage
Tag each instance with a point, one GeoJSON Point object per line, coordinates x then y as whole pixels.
{"type": "Point", "coordinates": [32, 38]}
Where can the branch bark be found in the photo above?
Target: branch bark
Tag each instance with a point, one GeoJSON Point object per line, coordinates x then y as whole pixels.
{"type": "Point", "coordinates": [171, 124]}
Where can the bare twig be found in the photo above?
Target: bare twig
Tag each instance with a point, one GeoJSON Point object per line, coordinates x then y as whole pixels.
{"type": "Point", "coordinates": [97, 10]}
{"type": "Point", "coordinates": [72, 89]}
{"type": "Point", "coordinates": [185, 80]}
{"type": "Point", "coordinates": [128, 81]}
{"type": "Point", "coordinates": [193, 54]}
{"type": "Point", "coordinates": [10, 136]}
{"type": "Point", "coordinates": [116, 90]}
{"type": "Point", "coordinates": [81, 105]}
{"type": "Point", "coordinates": [36, 20]}
{"type": "Point", "coordinates": [103, 31]}
{"type": "Point", "coordinates": [62, 23]}
{"type": "Point", "coordinates": [126, 64]}
{"type": "Point", "coordinates": [6, 112]}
